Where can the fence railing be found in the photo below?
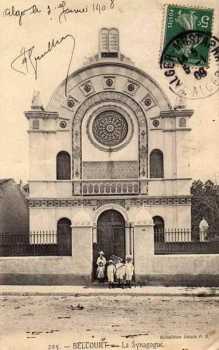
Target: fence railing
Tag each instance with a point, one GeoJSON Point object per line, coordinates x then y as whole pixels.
{"type": "Point", "coordinates": [46, 243]}
{"type": "Point", "coordinates": [175, 235]}
{"type": "Point", "coordinates": [43, 237]}
{"type": "Point", "coordinates": [180, 241]}
{"type": "Point", "coordinates": [35, 243]}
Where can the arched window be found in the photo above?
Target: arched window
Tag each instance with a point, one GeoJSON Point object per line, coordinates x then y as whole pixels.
{"type": "Point", "coordinates": [182, 122]}
{"type": "Point", "coordinates": [156, 164]}
{"type": "Point", "coordinates": [64, 239]}
{"type": "Point", "coordinates": [158, 228]}
{"type": "Point", "coordinates": [63, 166]}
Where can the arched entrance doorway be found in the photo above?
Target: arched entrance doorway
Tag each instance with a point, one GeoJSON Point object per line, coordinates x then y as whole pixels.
{"type": "Point", "coordinates": [111, 233]}
{"type": "Point", "coordinates": [64, 239]}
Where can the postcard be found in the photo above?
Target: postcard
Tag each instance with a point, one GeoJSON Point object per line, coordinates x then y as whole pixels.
{"type": "Point", "coordinates": [109, 174]}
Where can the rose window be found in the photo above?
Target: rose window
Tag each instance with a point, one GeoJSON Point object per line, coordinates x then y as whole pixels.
{"type": "Point", "coordinates": [110, 128]}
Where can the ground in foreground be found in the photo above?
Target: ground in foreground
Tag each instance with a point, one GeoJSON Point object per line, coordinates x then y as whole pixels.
{"type": "Point", "coordinates": [122, 322]}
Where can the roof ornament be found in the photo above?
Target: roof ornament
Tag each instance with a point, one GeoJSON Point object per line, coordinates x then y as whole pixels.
{"type": "Point", "coordinates": [109, 43]}
{"type": "Point", "coordinates": [180, 103]}
{"type": "Point", "coordinates": [109, 48]}
{"type": "Point", "coordinates": [36, 101]}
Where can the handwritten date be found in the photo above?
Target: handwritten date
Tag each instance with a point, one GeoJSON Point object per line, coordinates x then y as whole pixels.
{"type": "Point", "coordinates": [61, 11]}
{"type": "Point", "coordinates": [13, 12]}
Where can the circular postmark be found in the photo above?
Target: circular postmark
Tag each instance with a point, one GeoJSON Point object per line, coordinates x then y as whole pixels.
{"type": "Point", "coordinates": [190, 62]}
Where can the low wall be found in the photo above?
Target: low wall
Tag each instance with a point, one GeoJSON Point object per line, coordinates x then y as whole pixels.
{"type": "Point", "coordinates": [174, 269]}
{"type": "Point", "coordinates": [184, 270]}
{"type": "Point", "coordinates": [186, 263]}
{"type": "Point", "coordinates": [43, 270]}
{"type": "Point", "coordinates": [191, 270]}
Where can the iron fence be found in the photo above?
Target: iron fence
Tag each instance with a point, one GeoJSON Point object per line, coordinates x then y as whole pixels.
{"type": "Point", "coordinates": [180, 241]}
{"type": "Point", "coordinates": [51, 243]}
{"type": "Point", "coordinates": [35, 243]}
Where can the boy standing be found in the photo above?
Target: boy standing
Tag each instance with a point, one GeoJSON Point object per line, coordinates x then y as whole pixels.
{"type": "Point", "coordinates": [110, 273]}
{"type": "Point", "coordinates": [129, 270]}
{"type": "Point", "coordinates": [120, 272]}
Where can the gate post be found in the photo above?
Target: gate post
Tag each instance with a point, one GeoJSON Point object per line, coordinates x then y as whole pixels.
{"type": "Point", "coordinates": [143, 250]}
{"type": "Point", "coordinates": [82, 248]}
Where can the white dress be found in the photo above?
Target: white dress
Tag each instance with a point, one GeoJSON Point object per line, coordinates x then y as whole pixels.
{"type": "Point", "coordinates": [110, 273]}
{"type": "Point", "coordinates": [101, 259]}
{"type": "Point", "coordinates": [100, 271]}
{"type": "Point", "coordinates": [120, 271]}
{"type": "Point", "coordinates": [129, 269]}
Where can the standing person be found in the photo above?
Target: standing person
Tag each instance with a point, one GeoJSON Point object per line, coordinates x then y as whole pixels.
{"type": "Point", "coordinates": [100, 272]}
{"type": "Point", "coordinates": [203, 230]}
{"type": "Point", "coordinates": [129, 270]}
{"type": "Point", "coordinates": [110, 273]}
{"type": "Point", "coordinates": [120, 272]}
{"type": "Point", "coordinates": [101, 265]}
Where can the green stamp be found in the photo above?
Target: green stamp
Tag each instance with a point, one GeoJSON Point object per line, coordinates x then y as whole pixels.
{"type": "Point", "coordinates": [187, 35]}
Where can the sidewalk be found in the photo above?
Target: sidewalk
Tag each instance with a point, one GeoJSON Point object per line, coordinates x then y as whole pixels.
{"type": "Point", "coordinates": [104, 291]}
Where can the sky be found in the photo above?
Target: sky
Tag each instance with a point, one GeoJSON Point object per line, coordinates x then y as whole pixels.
{"type": "Point", "coordinates": [141, 25]}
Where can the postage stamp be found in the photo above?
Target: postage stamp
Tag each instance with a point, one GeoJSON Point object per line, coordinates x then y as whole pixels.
{"type": "Point", "coordinates": [193, 50]}
{"type": "Point", "coordinates": [188, 81]}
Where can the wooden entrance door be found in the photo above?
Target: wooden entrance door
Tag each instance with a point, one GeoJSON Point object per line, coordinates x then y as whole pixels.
{"type": "Point", "coordinates": [111, 233]}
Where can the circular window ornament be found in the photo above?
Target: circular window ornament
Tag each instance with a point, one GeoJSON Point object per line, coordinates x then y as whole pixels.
{"type": "Point", "coordinates": [147, 102]}
{"type": "Point", "coordinates": [109, 82]}
{"type": "Point", "coordinates": [156, 123]}
{"type": "Point", "coordinates": [131, 87]}
{"type": "Point", "coordinates": [87, 88]}
{"type": "Point", "coordinates": [110, 128]}
{"type": "Point", "coordinates": [63, 124]}
{"type": "Point", "coordinates": [70, 103]}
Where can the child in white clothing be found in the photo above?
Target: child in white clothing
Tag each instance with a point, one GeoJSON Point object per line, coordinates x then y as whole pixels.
{"type": "Point", "coordinates": [129, 270]}
{"type": "Point", "coordinates": [110, 273]}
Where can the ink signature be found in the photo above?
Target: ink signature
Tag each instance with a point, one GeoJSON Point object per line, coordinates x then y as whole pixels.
{"type": "Point", "coordinates": [27, 62]}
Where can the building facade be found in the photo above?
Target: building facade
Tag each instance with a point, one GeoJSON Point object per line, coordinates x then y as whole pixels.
{"type": "Point", "coordinates": [109, 161]}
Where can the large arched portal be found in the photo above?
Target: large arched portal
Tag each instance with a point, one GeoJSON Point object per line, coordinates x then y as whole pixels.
{"type": "Point", "coordinates": [111, 233]}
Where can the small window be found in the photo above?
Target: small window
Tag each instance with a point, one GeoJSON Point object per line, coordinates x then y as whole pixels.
{"type": "Point", "coordinates": [64, 236]}
{"type": "Point", "coordinates": [182, 122]}
{"type": "Point", "coordinates": [158, 228]}
{"type": "Point", "coordinates": [156, 164]}
{"type": "Point", "coordinates": [36, 124]}
{"type": "Point", "coordinates": [63, 166]}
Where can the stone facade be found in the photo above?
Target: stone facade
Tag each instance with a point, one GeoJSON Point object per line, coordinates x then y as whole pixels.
{"type": "Point", "coordinates": [111, 120]}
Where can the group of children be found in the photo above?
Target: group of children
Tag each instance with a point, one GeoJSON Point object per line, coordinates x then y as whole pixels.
{"type": "Point", "coordinates": [116, 270]}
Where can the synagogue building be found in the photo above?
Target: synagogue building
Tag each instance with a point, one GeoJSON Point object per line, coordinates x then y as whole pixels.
{"type": "Point", "coordinates": [109, 161]}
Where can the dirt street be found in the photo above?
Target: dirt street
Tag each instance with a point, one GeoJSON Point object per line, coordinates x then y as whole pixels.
{"type": "Point", "coordinates": [122, 322]}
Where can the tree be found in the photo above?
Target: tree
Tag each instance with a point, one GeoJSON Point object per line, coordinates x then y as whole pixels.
{"type": "Point", "coordinates": [204, 204]}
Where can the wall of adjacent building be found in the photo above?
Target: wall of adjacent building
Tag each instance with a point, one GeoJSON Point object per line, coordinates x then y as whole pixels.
{"type": "Point", "coordinates": [14, 213]}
